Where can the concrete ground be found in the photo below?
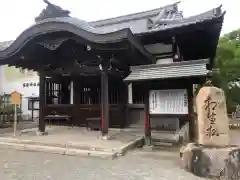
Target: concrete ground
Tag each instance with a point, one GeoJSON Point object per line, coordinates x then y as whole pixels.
{"type": "Point", "coordinates": [20, 126]}
{"type": "Point", "coordinates": [136, 165]}
{"type": "Point", "coordinates": [73, 141]}
{"type": "Point", "coordinates": [235, 137]}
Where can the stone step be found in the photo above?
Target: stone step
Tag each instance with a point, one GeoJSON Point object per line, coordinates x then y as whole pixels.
{"type": "Point", "coordinates": [234, 125]}
{"type": "Point", "coordinates": [71, 147]}
{"type": "Point", "coordinates": [137, 126]}
{"type": "Point", "coordinates": [164, 139]}
{"type": "Point", "coordinates": [163, 148]}
{"type": "Point", "coordinates": [58, 150]}
{"type": "Point", "coordinates": [164, 143]}
{"type": "Point", "coordinates": [69, 144]}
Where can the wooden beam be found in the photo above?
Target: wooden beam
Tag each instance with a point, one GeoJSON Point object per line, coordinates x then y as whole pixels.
{"type": "Point", "coordinates": [89, 70]}
{"type": "Point", "coordinates": [147, 122]}
{"type": "Point", "coordinates": [104, 103]}
{"type": "Point", "coordinates": [192, 125]}
{"type": "Point", "coordinates": [42, 102]}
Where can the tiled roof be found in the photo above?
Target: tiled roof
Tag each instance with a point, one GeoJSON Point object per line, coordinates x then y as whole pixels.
{"type": "Point", "coordinates": [171, 24]}
{"type": "Point", "coordinates": [163, 24]}
{"type": "Point", "coordinates": [5, 44]}
{"type": "Point", "coordinates": [172, 70]}
{"type": "Point", "coordinates": [80, 28]}
{"type": "Point", "coordinates": [134, 16]}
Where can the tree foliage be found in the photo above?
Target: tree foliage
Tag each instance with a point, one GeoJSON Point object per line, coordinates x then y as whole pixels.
{"type": "Point", "coordinates": [226, 73]}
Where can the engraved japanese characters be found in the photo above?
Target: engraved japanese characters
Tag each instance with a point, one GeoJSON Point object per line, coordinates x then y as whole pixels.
{"type": "Point", "coordinates": [212, 117]}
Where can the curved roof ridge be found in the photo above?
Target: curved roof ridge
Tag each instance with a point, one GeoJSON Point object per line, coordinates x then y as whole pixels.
{"type": "Point", "coordinates": [132, 16]}
{"type": "Point", "coordinates": [164, 23]}
{"type": "Point", "coordinates": [212, 14]}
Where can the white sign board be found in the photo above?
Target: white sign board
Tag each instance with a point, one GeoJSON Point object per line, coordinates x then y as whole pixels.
{"type": "Point", "coordinates": [172, 101]}
{"type": "Point", "coordinates": [36, 105]}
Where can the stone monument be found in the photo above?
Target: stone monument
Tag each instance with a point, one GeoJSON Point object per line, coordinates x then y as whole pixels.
{"type": "Point", "coordinates": [212, 155]}
{"type": "Point", "coordinates": [213, 129]}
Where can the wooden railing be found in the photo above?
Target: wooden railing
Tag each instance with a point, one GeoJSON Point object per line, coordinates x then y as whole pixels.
{"type": "Point", "coordinates": [80, 113]}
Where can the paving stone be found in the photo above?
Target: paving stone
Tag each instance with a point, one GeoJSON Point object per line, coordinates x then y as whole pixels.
{"type": "Point", "coordinates": [136, 165]}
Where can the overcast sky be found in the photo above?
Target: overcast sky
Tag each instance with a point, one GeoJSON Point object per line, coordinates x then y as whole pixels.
{"type": "Point", "coordinates": [17, 15]}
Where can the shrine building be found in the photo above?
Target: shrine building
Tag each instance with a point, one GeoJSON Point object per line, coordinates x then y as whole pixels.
{"type": "Point", "coordinates": [136, 70]}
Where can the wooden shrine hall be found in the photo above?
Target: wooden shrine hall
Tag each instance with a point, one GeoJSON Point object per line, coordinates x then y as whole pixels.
{"type": "Point", "coordinates": [102, 73]}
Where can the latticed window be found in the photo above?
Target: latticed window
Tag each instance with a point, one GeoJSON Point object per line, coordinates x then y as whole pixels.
{"type": "Point", "coordinates": [5, 100]}
{"type": "Point", "coordinates": [137, 94]}
{"type": "Point", "coordinates": [54, 92]}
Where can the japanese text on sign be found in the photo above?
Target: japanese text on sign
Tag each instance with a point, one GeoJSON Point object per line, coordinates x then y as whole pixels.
{"type": "Point", "coordinates": [210, 107]}
{"type": "Point", "coordinates": [173, 101]}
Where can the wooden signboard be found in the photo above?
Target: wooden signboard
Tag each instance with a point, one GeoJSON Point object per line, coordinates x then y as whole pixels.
{"type": "Point", "coordinates": [16, 97]}
{"type": "Point", "coordinates": [16, 100]}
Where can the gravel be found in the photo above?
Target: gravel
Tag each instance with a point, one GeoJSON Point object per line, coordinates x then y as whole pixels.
{"type": "Point", "coordinates": [139, 165]}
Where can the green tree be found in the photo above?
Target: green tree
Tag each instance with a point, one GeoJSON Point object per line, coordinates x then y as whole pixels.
{"type": "Point", "coordinates": [226, 74]}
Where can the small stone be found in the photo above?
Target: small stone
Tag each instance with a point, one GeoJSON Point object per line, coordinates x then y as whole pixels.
{"type": "Point", "coordinates": [186, 155]}
{"type": "Point", "coordinates": [105, 137]}
{"type": "Point", "coordinates": [147, 148]}
{"type": "Point", "coordinates": [39, 133]}
{"type": "Point", "coordinates": [231, 169]}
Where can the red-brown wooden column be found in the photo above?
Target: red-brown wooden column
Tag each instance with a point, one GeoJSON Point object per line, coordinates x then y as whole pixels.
{"type": "Point", "coordinates": [192, 125]}
{"type": "Point", "coordinates": [42, 102]}
{"type": "Point", "coordinates": [104, 103]}
{"type": "Point", "coordinates": [147, 125]}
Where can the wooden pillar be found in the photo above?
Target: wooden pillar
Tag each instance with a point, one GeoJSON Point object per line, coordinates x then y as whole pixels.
{"type": "Point", "coordinates": [147, 124]}
{"type": "Point", "coordinates": [42, 102]}
{"type": "Point", "coordinates": [104, 103]}
{"type": "Point", "coordinates": [192, 127]}
{"type": "Point", "coordinates": [76, 95]}
{"type": "Point", "coordinates": [126, 123]}
{"type": "Point", "coordinates": [50, 85]}
{"type": "Point", "coordinates": [32, 103]}
{"type": "Point", "coordinates": [71, 92]}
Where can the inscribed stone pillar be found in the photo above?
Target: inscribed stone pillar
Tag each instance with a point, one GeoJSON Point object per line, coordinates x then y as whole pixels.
{"type": "Point", "coordinates": [212, 120]}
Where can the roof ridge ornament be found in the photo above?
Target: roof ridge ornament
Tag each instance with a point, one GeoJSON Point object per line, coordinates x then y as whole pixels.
{"type": "Point", "coordinates": [52, 11]}
{"type": "Point", "coordinates": [168, 13]}
{"type": "Point", "coordinates": [218, 10]}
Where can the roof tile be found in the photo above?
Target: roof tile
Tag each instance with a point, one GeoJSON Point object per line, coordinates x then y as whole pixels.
{"type": "Point", "coordinates": [172, 70]}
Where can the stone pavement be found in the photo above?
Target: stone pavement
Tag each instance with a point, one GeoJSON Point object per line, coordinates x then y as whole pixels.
{"type": "Point", "coordinates": [73, 141]}
{"type": "Point", "coordinates": [136, 165]}
{"type": "Point", "coordinates": [234, 137]}
{"type": "Point", "coordinates": [20, 126]}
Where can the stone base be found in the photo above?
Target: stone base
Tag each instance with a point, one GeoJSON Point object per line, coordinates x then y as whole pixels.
{"type": "Point", "coordinates": [147, 141]}
{"type": "Point", "coordinates": [39, 133]}
{"type": "Point", "coordinates": [211, 162]}
{"type": "Point", "coordinates": [147, 148]}
{"type": "Point", "coordinates": [222, 140]}
{"type": "Point", "coordinates": [105, 137]}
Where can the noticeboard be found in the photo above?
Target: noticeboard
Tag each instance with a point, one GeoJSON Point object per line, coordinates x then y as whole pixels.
{"type": "Point", "coordinates": [172, 101]}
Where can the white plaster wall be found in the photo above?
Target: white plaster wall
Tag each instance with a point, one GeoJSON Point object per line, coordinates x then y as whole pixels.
{"type": "Point", "coordinates": [17, 85]}
{"type": "Point", "coordinates": [1, 78]}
